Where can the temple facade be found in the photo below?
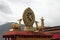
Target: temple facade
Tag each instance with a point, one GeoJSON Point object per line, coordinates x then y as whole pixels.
{"type": "Point", "coordinates": [28, 33]}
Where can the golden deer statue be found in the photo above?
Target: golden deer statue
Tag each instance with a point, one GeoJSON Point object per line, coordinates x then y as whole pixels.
{"type": "Point", "coordinates": [17, 25]}
{"type": "Point", "coordinates": [36, 25]}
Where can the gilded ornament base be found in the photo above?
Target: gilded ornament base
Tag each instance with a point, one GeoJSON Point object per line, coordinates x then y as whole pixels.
{"type": "Point", "coordinates": [28, 28]}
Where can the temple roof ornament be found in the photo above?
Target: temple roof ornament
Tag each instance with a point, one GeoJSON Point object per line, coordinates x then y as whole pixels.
{"type": "Point", "coordinates": [28, 19]}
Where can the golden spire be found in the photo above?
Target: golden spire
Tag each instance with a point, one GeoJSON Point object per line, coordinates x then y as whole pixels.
{"type": "Point", "coordinates": [42, 17]}
{"type": "Point", "coordinates": [42, 23]}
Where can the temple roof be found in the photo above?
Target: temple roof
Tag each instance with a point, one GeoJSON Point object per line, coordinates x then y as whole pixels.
{"type": "Point", "coordinates": [56, 36]}
{"type": "Point", "coordinates": [26, 33]}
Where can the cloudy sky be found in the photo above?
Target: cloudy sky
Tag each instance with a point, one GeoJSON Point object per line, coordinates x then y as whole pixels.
{"type": "Point", "coordinates": [12, 10]}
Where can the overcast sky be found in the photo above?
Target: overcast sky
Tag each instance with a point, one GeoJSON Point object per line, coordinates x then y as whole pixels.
{"type": "Point", "coordinates": [12, 10]}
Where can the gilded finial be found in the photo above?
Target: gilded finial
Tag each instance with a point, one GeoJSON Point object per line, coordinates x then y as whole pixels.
{"type": "Point", "coordinates": [42, 17]}
{"type": "Point", "coordinates": [42, 23]}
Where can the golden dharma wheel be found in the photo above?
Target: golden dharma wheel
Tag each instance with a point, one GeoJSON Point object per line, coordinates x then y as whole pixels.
{"type": "Point", "coordinates": [28, 17]}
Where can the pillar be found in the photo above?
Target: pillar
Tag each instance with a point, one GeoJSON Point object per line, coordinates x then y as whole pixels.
{"type": "Point", "coordinates": [8, 38]}
{"type": "Point", "coordinates": [5, 38]}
